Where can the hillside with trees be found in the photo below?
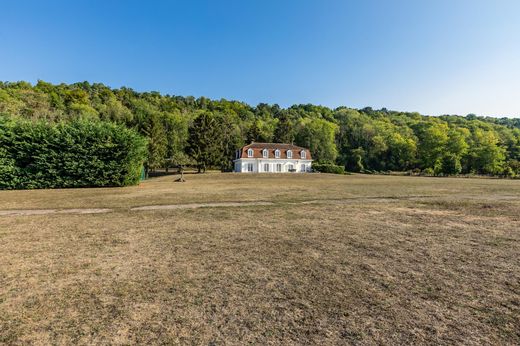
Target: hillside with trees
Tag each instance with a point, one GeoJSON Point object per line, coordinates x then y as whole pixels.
{"type": "Point", "coordinates": [205, 133]}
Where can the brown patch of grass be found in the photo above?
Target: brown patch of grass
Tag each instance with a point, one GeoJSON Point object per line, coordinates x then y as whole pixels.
{"type": "Point", "coordinates": [371, 263]}
{"type": "Point", "coordinates": [210, 188]}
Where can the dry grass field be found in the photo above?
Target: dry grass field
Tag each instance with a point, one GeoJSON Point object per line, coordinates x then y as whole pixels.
{"type": "Point", "coordinates": [263, 259]}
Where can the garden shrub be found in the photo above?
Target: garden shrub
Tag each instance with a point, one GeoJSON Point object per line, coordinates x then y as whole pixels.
{"type": "Point", "coordinates": [428, 172]}
{"type": "Point", "coordinates": [328, 168]}
{"type": "Point", "coordinates": [80, 153]}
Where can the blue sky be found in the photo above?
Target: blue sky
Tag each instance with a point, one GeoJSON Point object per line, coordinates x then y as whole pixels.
{"type": "Point", "coordinates": [432, 56]}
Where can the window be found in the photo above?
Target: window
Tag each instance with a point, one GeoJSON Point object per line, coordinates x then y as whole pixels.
{"type": "Point", "coordinates": [264, 153]}
{"type": "Point", "coordinates": [249, 152]}
{"type": "Point", "coordinates": [277, 153]}
{"type": "Point", "coordinates": [290, 168]}
{"type": "Point", "coordinates": [303, 154]}
{"type": "Point", "coordinates": [249, 167]}
{"type": "Point", "coordinates": [266, 167]}
{"type": "Point", "coordinates": [303, 168]}
{"type": "Point", "coordinates": [289, 154]}
{"type": "Point", "coordinates": [278, 167]}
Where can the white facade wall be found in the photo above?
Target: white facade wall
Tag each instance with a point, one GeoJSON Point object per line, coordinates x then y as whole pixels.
{"type": "Point", "coordinates": [252, 165]}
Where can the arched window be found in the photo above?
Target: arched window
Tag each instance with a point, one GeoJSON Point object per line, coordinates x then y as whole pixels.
{"type": "Point", "coordinates": [277, 153]}
{"type": "Point", "coordinates": [303, 154]}
{"type": "Point", "coordinates": [264, 153]}
{"type": "Point", "coordinates": [289, 154]}
{"type": "Point", "coordinates": [249, 152]}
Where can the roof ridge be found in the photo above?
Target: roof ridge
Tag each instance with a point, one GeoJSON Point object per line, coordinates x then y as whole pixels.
{"type": "Point", "coordinates": [272, 143]}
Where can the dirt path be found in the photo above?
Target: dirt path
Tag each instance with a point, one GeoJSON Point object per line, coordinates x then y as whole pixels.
{"type": "Point", "coordinates": [200, 205]}
{"type": "Point", "coordinates": [27, 212]}
{"type": "Point", "coordinates": [24, 212]}
{"type": "Point", "coordinates": [381, 199]}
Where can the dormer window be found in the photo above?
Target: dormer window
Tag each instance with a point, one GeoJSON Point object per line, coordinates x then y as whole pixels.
{"type": "Point", "coordinates": [289, 154]}
{"type": "Point", "coordinates": [303, 154]}
{"type": "Point", "coordinates": [249, 152]}
{"type": "Point", "coordinates": [264, 153]}
{"type": "Point", "coordinates": [277, 153]}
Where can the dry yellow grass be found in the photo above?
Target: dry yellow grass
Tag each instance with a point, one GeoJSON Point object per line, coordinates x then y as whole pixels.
{"type": "Point", "coordinates": [330, 260]}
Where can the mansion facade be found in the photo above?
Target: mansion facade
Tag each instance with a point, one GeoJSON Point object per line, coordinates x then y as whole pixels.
{"type": "Point", "coordinates": [272, 158]}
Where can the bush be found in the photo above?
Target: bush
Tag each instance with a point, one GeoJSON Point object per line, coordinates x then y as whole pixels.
{"type": "Point", "coordinates": [451, 164]}
{"type": "Point", "coordinates": [512, 169]}
{"type": "Point", "coordinates": [328, 168]}
{"type": "Point", "coordinates": [428, 172]}
{"type": "Point", "coordinates": [80, 153]}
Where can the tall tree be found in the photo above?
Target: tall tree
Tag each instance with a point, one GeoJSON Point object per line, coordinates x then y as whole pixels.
{"type": "Point", "coordinates": [176, 127]}
{"type": "Point", "coordinates": [433, 137]}
{"type": "Point", "coordinates": [284, 132]}
{"type": "Point", "coordinates": [487, 157]}
{"type": "Point", "coordinates": [318, 135]}
{"type": "Point", "coordinates": [254, 133]}
{"type": "Point", "coordinates": [157, 141]}
{"type": "Point", "coordinates": [230, 140]}
{"type": "Point", "coordinates": [204, 141]}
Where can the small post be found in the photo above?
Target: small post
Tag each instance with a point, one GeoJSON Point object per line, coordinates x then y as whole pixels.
{"type": "Point", "coordinates": [181, 179]}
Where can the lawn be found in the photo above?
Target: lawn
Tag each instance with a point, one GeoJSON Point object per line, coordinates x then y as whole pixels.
{"type": "Point", "coordinates": [263, 259]}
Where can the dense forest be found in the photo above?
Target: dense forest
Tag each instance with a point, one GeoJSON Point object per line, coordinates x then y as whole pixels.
{"type": "Point", "coordinates": [205, 133]}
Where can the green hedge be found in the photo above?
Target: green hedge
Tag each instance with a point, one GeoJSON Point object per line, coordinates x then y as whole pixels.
{"type": "Point", "coordinates": [328, 168]}
{"type": "Point", "coordinates": [80, 153]}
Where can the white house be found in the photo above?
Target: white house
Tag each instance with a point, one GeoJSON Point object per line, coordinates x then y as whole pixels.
{"type": "Point", "coordinates": [272, 158]}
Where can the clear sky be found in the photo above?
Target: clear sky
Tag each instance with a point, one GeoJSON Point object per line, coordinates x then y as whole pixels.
{"type": "Point", "coordinates": [431, 56]}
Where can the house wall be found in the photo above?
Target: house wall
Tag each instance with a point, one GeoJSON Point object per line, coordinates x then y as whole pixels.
{"type": "Point", "coordinates": [258, 165]}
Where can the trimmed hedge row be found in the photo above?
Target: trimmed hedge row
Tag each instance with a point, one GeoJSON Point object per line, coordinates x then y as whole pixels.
{"type": "Point", "coordinates": [328, 168]}
{"type": "Point", "coordinates": [80, 153]}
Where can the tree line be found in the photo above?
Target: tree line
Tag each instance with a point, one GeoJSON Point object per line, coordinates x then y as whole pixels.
{"type": "Point", "coordinates": [205, 133]}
